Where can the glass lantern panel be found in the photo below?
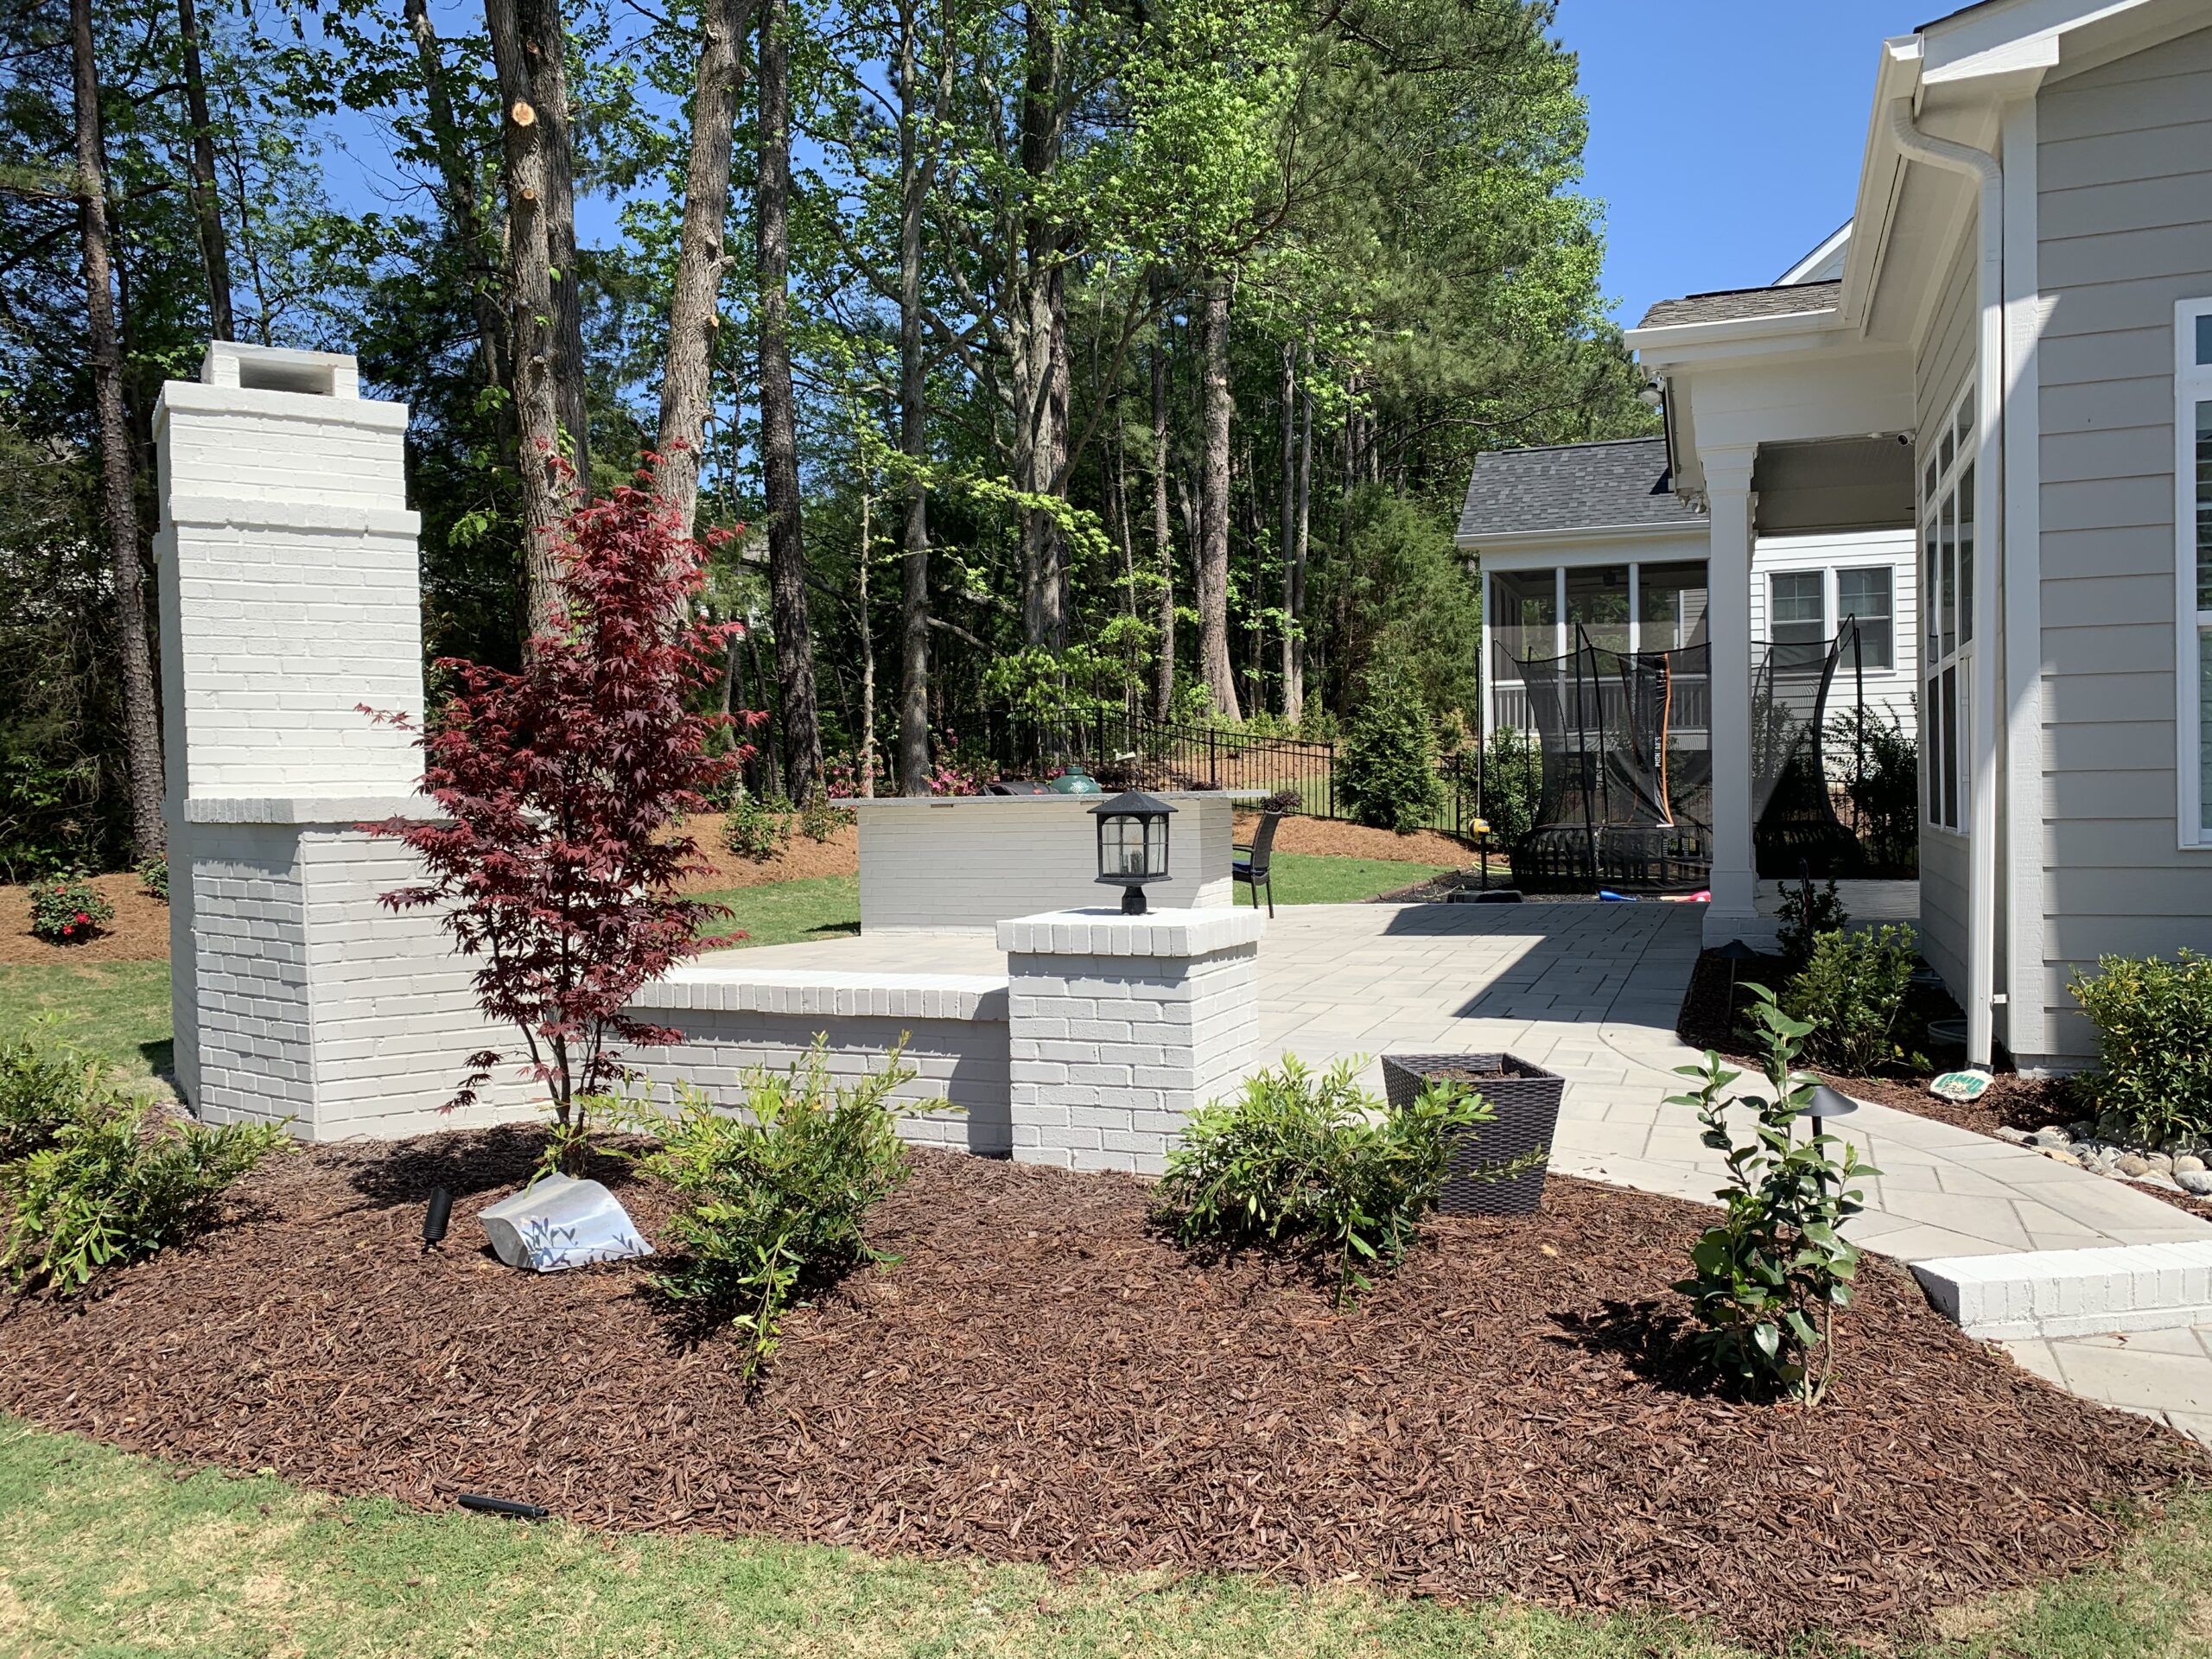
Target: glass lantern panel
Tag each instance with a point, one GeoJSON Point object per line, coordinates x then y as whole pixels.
{"type": "Point", "coordinates": [1124, 847]}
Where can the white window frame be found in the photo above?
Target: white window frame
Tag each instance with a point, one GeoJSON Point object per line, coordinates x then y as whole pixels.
{"type": "Point", "coordinates": [1949, 451]}
{"type": "Point", "coordinates": [1889, 571]}
{"type": "Point", "coordinates": [1821, 631]}
{"type": "Point", "coordinates": [2192, 386]}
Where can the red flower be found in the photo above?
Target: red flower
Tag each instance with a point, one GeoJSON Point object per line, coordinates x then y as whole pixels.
{"type": "Point", "coordinates": [67, 929]}
{"type": "Point", "coordinates": [82, 917]}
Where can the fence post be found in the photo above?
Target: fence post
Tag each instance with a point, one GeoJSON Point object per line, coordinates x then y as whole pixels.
{"type": "Point", "coordinates": [1213, 758]}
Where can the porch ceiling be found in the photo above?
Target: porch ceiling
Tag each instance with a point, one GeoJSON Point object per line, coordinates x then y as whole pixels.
{"type": "Point", "coordinates": [1842, 484]}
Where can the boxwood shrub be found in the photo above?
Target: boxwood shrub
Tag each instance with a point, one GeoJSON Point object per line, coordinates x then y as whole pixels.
{"type": "Point", "coordinates": [2153, 1017]}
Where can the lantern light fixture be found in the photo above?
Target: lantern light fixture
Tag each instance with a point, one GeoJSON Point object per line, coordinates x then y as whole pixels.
{"type": "Point", "coordinates": [1133, 845]}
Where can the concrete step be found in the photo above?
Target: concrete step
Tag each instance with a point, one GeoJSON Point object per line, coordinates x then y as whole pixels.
{"type": "Point", "coordinates": [2073, 1292]}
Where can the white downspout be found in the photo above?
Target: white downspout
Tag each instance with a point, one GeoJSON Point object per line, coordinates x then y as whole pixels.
{"type": "Point", "coordinates": [1989, 542]}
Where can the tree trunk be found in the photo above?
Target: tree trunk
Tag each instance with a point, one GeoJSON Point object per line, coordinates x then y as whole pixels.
{"type": "Point", "coordinates": [1163, 693]}
{"type": "Point", "coordinates": [801, 722]}
{"type": "Point", "coordinates": [868, 648]}
{"type": "Point", "coordinates": [545, 42]}
{"type": "Point", "coordinates": [1041, 375]}
{"type": "Point", "coordinates": [913, 438]}
{"type": "Point", "coordinates": [1213, 508]}
{"type": "Point", "coordinates": [118, 501]}
{"type": "Point", "coordinates": [1294, 674]}
{"type": "Point", "coordinates": [464, 212]}
{"type": "Point", "coordinates": [214, 248]}
{"type": "Point", "coordinates": [546, 486]}
{"type": "Point", "coordinates": [1288, 496]}
{"type": "Point", "coordinates": [694, 314]}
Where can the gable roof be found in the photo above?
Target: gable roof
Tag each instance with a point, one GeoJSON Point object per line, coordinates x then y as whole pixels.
{"type": "Point", "coordinates": [1729, 305]}
{"type": "Point", "coordinates": [1620, 484]}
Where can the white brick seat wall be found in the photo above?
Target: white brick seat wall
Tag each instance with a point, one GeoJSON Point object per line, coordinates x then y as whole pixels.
{"type": "Point", "coordinates": [735, 1017]}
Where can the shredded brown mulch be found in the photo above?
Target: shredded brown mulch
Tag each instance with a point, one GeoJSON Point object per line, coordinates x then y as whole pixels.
{"type": "Point", "coordinates": [1044, 1378]}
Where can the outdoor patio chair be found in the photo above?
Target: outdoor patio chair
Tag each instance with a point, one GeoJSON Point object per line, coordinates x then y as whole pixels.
{"type": "Point", "coordinates": [1252, 868]}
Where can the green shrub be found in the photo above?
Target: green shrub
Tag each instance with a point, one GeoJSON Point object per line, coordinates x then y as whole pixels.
{"type": "Point", "coordinates": [43, 1085]}
{"type": "Point", "coordinates": [2154, 1043]}
{"type": "Point", "coordinates": [820, 817]}
{"type": "Point", "coordinates": [112, 1188]}
{"type": "Point", "coordinates": [1512, 785]}
{"type": "Point", "coordinates": [1852, 992]}
{"type": "Point", "coordinates": [154, 876]}
{"type": "Point", "coordinates": [1320, 1164]}
{"type": "Point", "coordinates": [1386, 771]}
{"type": "Point", "coordinates": [755, 828]}
{"type": "Point", "coordinates": [1806, 913]}
{"type": "Point", "coordinates": [1759, 1278]}
{"type": "Point", "coordinates": [775, 1199]}
{"type": "Point", "coordinates": [68, 910]}
{"type": "Point", "coordinates": [1886, 790]}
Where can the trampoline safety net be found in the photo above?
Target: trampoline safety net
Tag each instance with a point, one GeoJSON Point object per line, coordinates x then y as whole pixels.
{"type": "Point", "coordinates": [1625, 796]}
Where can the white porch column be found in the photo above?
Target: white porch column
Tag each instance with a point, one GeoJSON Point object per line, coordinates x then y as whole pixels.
{"type": "Point", "coordinates": [1733, 912]}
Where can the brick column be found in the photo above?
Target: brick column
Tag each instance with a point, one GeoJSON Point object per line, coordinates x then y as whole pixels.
{"type": "Point", "coordinates": [1119, 1027]}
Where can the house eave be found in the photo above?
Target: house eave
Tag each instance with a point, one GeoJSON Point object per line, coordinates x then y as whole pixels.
{"type": "Point", "coordinates": [1514, 540]}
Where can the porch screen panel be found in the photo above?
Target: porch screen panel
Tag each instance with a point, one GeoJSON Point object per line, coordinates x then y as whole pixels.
{"type": "Point", "coordinates": [1597, 602]}
{"type": "Point", "coordinates": [1670, 601]}
{"type": "Point", "coordinates": [1523, 620]}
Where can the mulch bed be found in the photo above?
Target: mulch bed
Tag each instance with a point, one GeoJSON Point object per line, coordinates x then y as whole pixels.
{"type": "Point", "coordinates": [2011, 1101]}
{"type": "Point", "coordinates": [1044, 1379]}
{"type": "Point", "coordinates": [140, 931]}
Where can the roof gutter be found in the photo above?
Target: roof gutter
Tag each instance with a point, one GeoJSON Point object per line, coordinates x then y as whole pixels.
{"type": "Point", "coordinates": [1988, 511]}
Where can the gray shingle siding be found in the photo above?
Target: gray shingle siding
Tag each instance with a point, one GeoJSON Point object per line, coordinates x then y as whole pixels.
{"type": "Point", "coordinates": [1620, 484]}
{"type": "Point", "coordinates": [1732, 305]}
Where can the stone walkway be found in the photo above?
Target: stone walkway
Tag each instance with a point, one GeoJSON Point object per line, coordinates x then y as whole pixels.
{"type": "Point", "coordinates": [1591, 991]}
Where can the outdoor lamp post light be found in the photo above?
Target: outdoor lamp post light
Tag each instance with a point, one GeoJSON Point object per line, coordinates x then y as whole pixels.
{"type": "Point", "coordinates": [1826, 1103]}
{"type": "Point", "coordinates": [1132, 845]}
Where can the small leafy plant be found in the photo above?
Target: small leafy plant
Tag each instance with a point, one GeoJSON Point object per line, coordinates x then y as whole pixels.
{"type": "Point", "coordinates": [1320, 1164]}
{"type": "Point", "coordinates": [68, 910]}
{"type": "Point", "coordinates": [153, 872]}
{"type": "Point", "coordinates": [111, 1185]}
{"type": "Point", "coordinates": [2153, 1017]}
{"type": "Point", "coordinates": [1766, 1283]}
{"type": "Point", "coordinates": [1806, 913]}
{"type": "Point", "coordinates": [43, 1085]}
{"type": "Point", "coordinates": [775, 1198]}
{"type": "Point", "coordinates": [1852, 991]}
{"type": "Point", "coordinates": [756, 829]}
{"type": "Point", "coordinates": [820, 817]}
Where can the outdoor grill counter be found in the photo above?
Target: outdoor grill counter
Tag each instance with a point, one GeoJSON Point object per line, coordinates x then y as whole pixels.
{"type": "Point", "coordinates": [938, 861]}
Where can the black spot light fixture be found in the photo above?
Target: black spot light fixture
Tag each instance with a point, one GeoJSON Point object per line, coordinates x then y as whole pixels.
{"type": "Point", "coordinates": [435, 1217]}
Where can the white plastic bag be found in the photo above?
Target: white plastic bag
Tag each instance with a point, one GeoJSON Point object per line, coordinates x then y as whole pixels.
{"type": "Point", "coordinates": [561, 1222]}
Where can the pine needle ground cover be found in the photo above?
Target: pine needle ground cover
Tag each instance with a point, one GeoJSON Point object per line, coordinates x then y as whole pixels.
{"type": "Point", "coordinates": [1043, 1381]}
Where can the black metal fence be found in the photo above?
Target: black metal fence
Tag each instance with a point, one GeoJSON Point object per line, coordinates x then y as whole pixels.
{"type": "Point", "coordinates": [1126, 750]}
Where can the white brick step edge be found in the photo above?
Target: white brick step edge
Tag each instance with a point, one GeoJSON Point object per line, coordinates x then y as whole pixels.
{"type": "Point", "coordinates": [714, 986]}
{"type": "Point", "coordinates": [2073, 1292]}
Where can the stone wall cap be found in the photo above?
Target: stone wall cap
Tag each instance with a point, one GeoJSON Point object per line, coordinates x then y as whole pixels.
{"type": "Point", "coordinates": [713, 983]}
{"type": "Point", "coordinates": [346, 810]}
{"type": "Point", "coordinates": [1107, 932]}
{"type": "Point", "coordinates": [914, 803]}
{"type": "Point", "coordinates": [272, 512]}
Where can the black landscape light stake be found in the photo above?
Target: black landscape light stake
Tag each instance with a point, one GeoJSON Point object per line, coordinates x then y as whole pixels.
{"type": "Point", "coordinates": [434, 1218]}
{"type": "Point", "coordinates": [1133, 845]}
{"type": "Point", "coordinates": [1735, 953]}
{"type": "Point", "coordinates": [1826, 1104]}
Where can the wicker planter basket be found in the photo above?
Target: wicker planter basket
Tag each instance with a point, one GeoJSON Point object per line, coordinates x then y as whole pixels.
{"type": "Point", "coordinates": [1526, 1098]}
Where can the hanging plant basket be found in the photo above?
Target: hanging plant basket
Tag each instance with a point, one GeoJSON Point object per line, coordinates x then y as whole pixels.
{"type": "Point", "coordinates": [1526, 1099]}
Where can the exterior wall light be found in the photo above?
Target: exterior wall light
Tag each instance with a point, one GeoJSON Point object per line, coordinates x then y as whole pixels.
{"type": "Point", "coordinates": [1133, 845]}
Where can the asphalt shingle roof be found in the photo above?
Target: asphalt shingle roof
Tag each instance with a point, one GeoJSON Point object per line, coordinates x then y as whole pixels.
{"type": "Point", "coordinates": [1733, 303]}
{"type": "Point", "coordinates": [1562, 486]}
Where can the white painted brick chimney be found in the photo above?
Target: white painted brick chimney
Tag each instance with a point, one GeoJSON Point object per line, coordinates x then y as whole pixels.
{"type": "Point", "coordinates": [290, 596]}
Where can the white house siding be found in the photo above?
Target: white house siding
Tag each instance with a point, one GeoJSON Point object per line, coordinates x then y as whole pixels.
{"type": "Point", "coordinates": [1889, 693]}
{"type": "Point", "coordinates": [1946, 358]}
{"type": "Point", "coordinates": [2124, 230]}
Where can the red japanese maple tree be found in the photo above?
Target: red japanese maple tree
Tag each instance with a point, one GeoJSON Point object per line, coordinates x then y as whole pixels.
{"type": "Point", "coordinates": [556, 861]}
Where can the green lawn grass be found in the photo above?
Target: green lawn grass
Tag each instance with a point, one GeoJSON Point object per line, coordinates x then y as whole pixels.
{"type": "Point", "coordinates": [105, 1553]}
{"type": "Point", "coordinates": [116, 1010]}
{"type": "Point", "coordinates": [1312, 878]}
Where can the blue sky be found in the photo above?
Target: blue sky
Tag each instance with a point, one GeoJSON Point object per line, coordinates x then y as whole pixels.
{"type": "Point", "coordinates": [1725, 134]}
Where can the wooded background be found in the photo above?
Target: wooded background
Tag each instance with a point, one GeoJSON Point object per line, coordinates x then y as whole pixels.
{"type": "Point", "coordinates": [1130, 350]}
